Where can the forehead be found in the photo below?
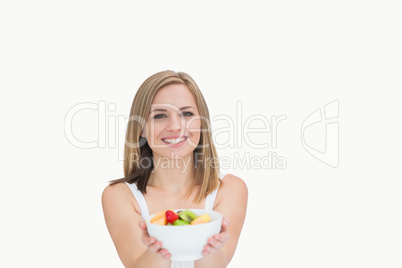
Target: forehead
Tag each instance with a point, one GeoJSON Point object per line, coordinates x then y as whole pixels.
{"type": "Point", "coordinates": [176, 94]}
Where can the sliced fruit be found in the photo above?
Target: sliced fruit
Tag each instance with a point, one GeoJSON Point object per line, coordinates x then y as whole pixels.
{"type": "Point", "coordinates": [158, 216]}
{"type": "Point", "coordinates": [161, 221]}
{"type": "Point", "coordinates": [204, 218]}
{"type": "Point", "coordinates": [187, 215]}
{"type": "Point", "coordinates": [171, 216]}
{"type": "Point", "coordinates": [180, 222]}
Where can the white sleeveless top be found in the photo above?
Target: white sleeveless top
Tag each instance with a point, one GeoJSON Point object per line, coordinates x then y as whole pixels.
{"type": "Point", "coordinates": [209, 205]}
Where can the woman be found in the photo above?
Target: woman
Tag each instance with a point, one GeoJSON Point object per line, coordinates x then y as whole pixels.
{"type": "Point", "coordinates": [170, 162]}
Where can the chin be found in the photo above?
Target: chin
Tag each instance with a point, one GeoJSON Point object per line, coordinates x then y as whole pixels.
{"type": "Point", "coordinates": [177, 154]}
{"type": "Point", "coordinates": [180, 155]}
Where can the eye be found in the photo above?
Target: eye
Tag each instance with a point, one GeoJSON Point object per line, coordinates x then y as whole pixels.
{"type": "Point", "coordinates": [159, 116]}
{"type": "Point", "coordinates": [187, 114]}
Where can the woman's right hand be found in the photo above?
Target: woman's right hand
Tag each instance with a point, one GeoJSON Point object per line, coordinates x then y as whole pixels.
{"type": "Point", "coordinates": [151, 242]}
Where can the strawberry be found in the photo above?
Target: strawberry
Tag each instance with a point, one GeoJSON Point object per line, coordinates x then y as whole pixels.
{"type": "Point", "coordinates": [171, 216]}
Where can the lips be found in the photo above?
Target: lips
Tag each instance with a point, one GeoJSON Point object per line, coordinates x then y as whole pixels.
{"type": "Point", "coordinates": [175, 141]}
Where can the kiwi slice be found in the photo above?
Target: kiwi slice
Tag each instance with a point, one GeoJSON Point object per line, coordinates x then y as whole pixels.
{"type": "Point", "coordinates": [187, 215]}
{"type": "Point", "coordinates": [180, 222]}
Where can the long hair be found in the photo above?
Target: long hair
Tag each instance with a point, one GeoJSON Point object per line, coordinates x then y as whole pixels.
{"type": "Point", "coordinates": [138, 162]}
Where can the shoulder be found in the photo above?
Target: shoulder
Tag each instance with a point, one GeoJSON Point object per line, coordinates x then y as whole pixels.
{"type": "Point", "coordinates": [233, 183]}
{"type": "Point", "coordinates": [118, 195]}
{"type": "Point", "coordinates": [232, 188]}
{"type": "Point", "coordinates": [115, 191]}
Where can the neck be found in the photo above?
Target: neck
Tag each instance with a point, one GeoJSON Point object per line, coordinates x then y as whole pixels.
{"type": "Point", "coordinates": [173, 174]}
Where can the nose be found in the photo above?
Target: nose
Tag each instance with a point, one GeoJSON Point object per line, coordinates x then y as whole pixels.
{"type": "Point", "coordinates": [175, 123]}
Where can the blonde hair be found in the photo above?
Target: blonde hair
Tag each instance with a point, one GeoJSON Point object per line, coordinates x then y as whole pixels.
{"type": "Point", "coordinates": [206, 174]}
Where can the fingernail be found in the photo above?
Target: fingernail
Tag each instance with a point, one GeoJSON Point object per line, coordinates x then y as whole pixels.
{"type": "Point", "coordinates": [152, 240]}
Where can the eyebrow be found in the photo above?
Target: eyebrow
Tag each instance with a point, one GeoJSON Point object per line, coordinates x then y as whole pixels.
{"type": "Point", "coordinates": [164, 110]}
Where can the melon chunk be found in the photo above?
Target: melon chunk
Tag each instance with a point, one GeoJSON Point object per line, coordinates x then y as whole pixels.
{"type": "Point", "coordinates": [158, 216]}
{"type": "Point", "coordinates": [161, 221]}
{"type": "Point", "coordinates": [204, 218]}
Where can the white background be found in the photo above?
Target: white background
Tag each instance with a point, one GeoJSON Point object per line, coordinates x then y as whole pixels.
{"type": "Point", "coordinates": [278, 58]}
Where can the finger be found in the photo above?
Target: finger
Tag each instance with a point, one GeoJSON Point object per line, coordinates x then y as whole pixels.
{"type": "Point", "coordinates": [207, 250]}
{"type": "Point", "coordinates": [164, 253]}
{"type": "Point", "coordinates": [145, 237]}
{"type": "Point", "coordinates": [148, 241]}
{"type": "Point", "coordinates": [225, 222]}
{"type": "Point", "coordinates": [222, 237]}
{"type": "Point", "coordinates": [214, 243]}
{"type": "Point", "coordinates": [143, 225]}
{"type": "Point", "coordinates": [155, 246]}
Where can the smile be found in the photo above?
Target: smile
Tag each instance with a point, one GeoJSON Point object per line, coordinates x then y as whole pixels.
{"type": "Point", "coordinates": [177, 142]}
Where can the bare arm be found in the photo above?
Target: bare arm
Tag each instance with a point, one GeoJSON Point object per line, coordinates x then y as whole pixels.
{"type": "Point", "coordinates": [134, 246]}
{"type": "Point", "coordinates": [232, 205]}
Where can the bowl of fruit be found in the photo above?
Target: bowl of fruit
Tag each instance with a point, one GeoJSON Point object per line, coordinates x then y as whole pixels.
{"type": "Point", "coordinates": [184, 232]}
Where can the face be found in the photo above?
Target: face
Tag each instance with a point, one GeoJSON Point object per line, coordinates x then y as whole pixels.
{"type": "Point", "coordinates": [173, 126]}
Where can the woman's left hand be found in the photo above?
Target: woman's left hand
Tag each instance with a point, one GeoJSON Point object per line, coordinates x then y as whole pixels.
{"type": "Point", "coordinates": [218, 240]}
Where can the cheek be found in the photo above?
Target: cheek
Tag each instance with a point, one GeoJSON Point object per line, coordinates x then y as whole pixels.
{"type": "Point", "coordinates": [195, 130]}
{"type": "Point", "coordinates": [193, 125]}
{"type": "Point", "coordinates": [152, 130]}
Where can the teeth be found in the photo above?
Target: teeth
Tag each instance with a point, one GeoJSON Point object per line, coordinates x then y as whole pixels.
{"type": "Point", "coordinates": [174, 141]}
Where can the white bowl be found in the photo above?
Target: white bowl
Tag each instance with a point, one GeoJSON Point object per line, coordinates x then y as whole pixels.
{"type": "Point", "coordinates": [186, 242]}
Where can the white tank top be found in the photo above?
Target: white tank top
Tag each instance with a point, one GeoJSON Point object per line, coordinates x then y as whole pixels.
{"type": "Point", "coordinates": [209, 205]}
